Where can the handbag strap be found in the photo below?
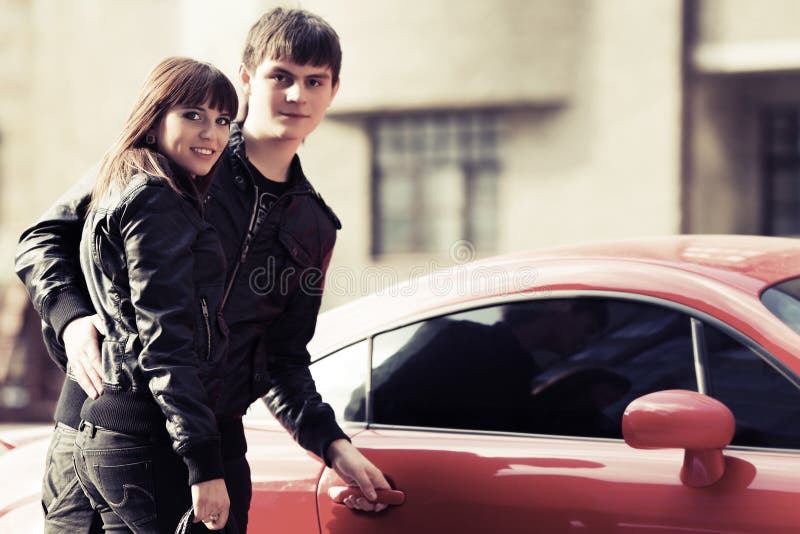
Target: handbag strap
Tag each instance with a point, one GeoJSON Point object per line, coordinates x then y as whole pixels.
{"type": "Point", "coordinates": [185, 524]}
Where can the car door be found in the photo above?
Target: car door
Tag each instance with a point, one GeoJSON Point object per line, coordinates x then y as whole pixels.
{"type": "Point", "coordinates": [285, 477]}
{"type": "Point", "coordinates": [508, 419]}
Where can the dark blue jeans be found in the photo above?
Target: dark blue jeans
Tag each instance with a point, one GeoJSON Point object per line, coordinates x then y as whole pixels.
{"type": "Point", "coordinates": [141, 485]}
{"type": "Point", "coordinates": [66, 508]}
{"type": "Point", "coordinates": [136, 484]}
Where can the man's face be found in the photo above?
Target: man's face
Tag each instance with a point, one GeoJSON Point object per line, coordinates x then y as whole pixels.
{"type": "Point", "coordinates": [286, 101]}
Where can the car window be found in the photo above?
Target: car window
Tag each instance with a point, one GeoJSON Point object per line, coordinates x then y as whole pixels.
{"type": "Point", "coordinates": [340, 379]}
{"type": "Point", "coordinates": [765, 403]}
{"type": "Point", "coordinates": [784, 301]}
{"type": "Point", "coordinates": [550, 366]}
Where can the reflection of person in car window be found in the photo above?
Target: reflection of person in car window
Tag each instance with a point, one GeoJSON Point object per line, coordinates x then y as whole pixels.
{"type": "Point", "coordinates": [550, 330]}
{"type": "Point", "coordinates": [457, 373]}
{"type": "Point", "coordinates": [567, 397]}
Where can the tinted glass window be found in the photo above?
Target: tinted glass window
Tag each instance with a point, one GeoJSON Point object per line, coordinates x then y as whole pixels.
{"type": "Point", "coordinates": [340, 379]}
{"type": "Point", "coordinates": [765, 403]}
{"type": "Point", "coordinates": [565, 366]}
{"type": "Point", "coordinates": [784, 301]}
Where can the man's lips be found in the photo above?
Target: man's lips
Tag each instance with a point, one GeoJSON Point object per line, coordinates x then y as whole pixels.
{"type": "Point", "coordinates": [294, 115]}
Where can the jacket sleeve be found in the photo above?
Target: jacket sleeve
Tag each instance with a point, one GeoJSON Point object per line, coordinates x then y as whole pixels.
{"type": "Point", "coordinates": [292, 396]}
{"type": "Point", "coordinates": [158, 237]}
{"type": "Point", "coordinates": [47, 259]}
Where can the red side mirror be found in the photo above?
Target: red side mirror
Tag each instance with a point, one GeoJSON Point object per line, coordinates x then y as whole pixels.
{"type": "Point", "coordinates": [679, 419]}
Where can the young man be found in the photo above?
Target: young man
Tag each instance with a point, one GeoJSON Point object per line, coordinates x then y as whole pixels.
{"type": "Point", "coordinates": [273, 226]}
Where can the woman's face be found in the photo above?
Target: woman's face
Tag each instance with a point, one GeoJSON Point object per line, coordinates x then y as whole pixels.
{"type": "Point", "coordinates": [193, 137]}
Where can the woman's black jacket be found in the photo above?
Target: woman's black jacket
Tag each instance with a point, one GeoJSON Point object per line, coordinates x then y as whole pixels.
{"type": "Point", "coordinates": [155, 272]}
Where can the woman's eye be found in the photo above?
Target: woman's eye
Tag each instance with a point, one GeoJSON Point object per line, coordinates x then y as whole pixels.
{"type": "Point", "coordinates": [192, 115]}
{"type": "Point", "coordinates": [224, 121]}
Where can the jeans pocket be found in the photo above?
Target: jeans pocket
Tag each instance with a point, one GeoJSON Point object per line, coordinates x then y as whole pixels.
{"type": "Point", "coordinates": [50, 481]}
{"type": "Point", "coordinates": [129, 490]}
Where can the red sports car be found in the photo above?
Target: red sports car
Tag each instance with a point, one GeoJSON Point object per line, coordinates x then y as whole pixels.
{"type": "Point", "coordinates": [634, 386]}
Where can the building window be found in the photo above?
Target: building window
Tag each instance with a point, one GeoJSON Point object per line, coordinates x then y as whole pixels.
{"type": "Point", "coordinates": [781, 194]}
{"type": "Point", "coordinates": [434, 182]}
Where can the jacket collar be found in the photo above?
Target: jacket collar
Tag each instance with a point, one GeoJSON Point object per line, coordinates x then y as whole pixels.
{"type": "Point", "coordinates": [236, 145]}
{"type": "Point", "coordinates": [299, 182]}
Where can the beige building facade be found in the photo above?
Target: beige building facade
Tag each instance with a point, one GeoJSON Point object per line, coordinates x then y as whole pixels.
{"type": "Point", "coordinates": [461, 130]}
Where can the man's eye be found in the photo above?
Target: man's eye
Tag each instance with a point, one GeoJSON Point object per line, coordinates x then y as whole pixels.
{"type": "Point", "coordinates": [315, 83]}
{"type": "Point", "coordinates": [192, 115]}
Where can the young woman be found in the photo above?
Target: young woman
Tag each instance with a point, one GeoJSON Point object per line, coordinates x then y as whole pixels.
{"type": "Point", "coordinates": [155, 273]}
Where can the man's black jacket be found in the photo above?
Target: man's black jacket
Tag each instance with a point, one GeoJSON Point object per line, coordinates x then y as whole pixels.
{"type": "Point", "coordinates": [277, 255]}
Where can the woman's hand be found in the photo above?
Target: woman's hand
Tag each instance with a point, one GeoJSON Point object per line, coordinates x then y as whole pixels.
{"type": "Point", "coordinates": [211, 503]}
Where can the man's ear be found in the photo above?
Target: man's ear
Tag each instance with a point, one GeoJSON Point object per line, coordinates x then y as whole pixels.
{"type": "Point", "coordinates": [244, 78]}
{"type": "Point", "coordinates": [334, 90]}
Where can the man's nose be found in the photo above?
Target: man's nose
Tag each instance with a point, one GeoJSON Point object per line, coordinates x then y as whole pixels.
{"type": "Point", "coordinates": [295, 93]}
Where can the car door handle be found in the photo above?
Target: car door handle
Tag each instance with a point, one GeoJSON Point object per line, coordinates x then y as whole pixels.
{"type": "Point", "coordinates": [340, 493]}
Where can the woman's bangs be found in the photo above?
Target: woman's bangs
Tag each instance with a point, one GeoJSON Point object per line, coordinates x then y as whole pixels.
{"type": "Point", "coordinates": [211, 88]}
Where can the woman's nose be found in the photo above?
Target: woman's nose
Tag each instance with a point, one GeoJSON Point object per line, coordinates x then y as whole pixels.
{"type": "Point", "coordinates": [206, 131]}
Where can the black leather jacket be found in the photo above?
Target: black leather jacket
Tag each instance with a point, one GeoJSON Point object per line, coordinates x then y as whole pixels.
{"type": "Point", "coordinates": [277, 256]}
{"type": "Point", "coordinates": [155, 273]}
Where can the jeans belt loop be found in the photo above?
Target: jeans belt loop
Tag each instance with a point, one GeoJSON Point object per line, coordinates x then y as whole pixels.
{"type": "Point", "coordinates": [87, 425]}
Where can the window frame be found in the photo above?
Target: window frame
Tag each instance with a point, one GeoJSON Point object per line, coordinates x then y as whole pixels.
{"type": "Point", "coordinates": [773, 161]}
{"type": "Point", "coordinates": [466, 161]}
{"type": "Point", "coordinates": [696, 317]}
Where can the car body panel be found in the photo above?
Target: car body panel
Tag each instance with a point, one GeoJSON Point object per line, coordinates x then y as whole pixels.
{"type": "Point", "coordinates": [285, 481]}
{"type": "Point", "coordinates": [479, 483]}
{"type": "Point", "coordinates": [20, 493]}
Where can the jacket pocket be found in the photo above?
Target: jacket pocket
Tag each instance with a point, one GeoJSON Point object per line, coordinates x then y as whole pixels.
{"type": "Point", "coordinates": [296, 251]}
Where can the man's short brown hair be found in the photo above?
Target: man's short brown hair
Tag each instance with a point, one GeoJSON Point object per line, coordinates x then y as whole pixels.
{"type": "Point", "coordinates": [293, 35]}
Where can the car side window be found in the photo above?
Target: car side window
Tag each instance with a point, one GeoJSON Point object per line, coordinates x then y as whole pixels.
{"type": "Point", "coordinates": [765, 403]}
{"type": "Point", "coordinates": [340, 378]}
{"type": "Point", "coordinates": [549, 366]}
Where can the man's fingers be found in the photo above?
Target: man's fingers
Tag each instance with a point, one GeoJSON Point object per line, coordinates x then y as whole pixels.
{"type": "Point", "coordinates": [361, 503]}
{"type": "Point", "coordinates": [364, 482]}
{"type": "Point", "coordinates": [94, 367]}
{"type": "Point", "coordinates": [83, 353]}
{"type": "Point", "coordinates": [98, 324]}
{"type": "Point", "coordinates": [86, 383]}
{"type": "Point", "coordinates": [378, 480]}
{"type": "Point", "coordinates": [96, 380]}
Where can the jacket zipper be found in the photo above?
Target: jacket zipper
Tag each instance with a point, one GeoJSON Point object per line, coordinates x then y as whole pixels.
{"type": "Point", "coordinates": [252, 229]}
{"type": "Point", "coordinates": [204, 306]}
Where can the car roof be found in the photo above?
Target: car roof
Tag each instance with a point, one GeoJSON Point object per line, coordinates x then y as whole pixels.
{"type": "Point", "coordinates": [703, 264]}
{"type": "Point", "coordinates": [768, 259]}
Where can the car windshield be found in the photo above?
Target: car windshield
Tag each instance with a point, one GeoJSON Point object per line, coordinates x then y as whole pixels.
{"type": "Point", "coordinates": [784, 301]}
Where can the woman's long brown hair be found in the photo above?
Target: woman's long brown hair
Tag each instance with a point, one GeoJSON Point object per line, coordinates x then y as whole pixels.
{"type": "Point", "coordinates": [175, 81]}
